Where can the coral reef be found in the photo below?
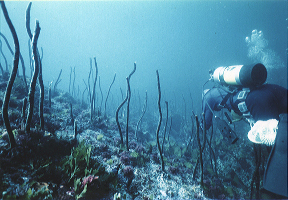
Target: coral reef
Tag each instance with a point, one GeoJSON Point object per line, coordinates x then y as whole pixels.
{"type": "Point", "coordinates": [54, 164]}
{"type": "Point", "coordinates": [78, 154]}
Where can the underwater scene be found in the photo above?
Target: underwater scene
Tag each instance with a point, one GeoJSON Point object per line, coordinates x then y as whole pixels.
{"type": "Point", "coordinates": [104, 99]}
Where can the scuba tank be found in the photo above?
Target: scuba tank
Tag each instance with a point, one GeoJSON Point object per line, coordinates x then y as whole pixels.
{"type": "Point", "coordinates": [235, 78]}
{"type": "Point", "coordinates": [241, 75]}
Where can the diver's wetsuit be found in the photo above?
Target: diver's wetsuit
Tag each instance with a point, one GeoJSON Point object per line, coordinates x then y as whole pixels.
{"type": "Point", "coordinates": [265, 102]}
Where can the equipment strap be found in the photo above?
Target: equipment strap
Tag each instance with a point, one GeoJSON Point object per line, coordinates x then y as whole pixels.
{"type": "Point", "coordinates": [242, 104]}
{"type": "Point", "coordinates": [223, 102]}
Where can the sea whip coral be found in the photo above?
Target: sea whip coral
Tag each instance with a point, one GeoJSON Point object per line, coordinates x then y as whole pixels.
{"type": "Point", "coordinates": [12, 76]}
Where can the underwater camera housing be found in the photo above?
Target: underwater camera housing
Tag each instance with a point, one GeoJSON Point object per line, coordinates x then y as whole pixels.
{"type": "Point", "coordinates": [240, 75]}
{"type": "Point", "coordinates": [226, 131]}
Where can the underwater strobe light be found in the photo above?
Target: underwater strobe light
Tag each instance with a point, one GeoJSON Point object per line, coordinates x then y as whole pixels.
{"type": "Point", "coordinates": [264, 132]}
{"type": "Point", "coordinates": [241, 75]}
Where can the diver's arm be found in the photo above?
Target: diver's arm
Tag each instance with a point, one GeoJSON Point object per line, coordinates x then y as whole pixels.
{"type": "Point", "coordinates": [208, 117]}
{"type": "Point", "coordinates": [208, 113]}
{"type": "Point", "coordinates": [210, 104]}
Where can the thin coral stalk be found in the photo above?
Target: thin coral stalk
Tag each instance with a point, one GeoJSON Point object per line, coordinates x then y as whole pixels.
{"type": "Point", "coordinates": [117, 114]}
{"type": "Point", "coordinates": [6, 64]}
{"type": "Point", "coordinates": [93, 99]}
{"type": "Point", "coordinates": [34, 78]}
{"type": "Point", "coordinates": [160, 120]}
{"type": "Point", "coordinates": [143, 112]}
{"type": "Point", "coordinates": [128, 104]}
{"type": "Point", "coordinates": [36, 56]}
{"type": "Point", "coordinates": [12, 76]}
{"type": "Point", "coordinates": [21, 59]}
{"type": "Point", "coordinates": [164, 134]}
{"type": "Point", "coordinates": [109, 93]}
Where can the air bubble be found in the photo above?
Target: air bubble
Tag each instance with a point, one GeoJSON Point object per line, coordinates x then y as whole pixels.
{"type": "Point", "coordinates": [258, 51]}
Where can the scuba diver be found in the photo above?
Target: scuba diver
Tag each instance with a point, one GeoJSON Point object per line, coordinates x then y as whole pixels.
{"type": "Point", "coordinates": [242, 91]}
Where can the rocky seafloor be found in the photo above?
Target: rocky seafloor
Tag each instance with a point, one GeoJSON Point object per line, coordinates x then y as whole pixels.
{"type": "Point", "coordinates": [56, 163]}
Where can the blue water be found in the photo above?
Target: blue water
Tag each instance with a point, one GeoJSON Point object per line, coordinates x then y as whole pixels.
{"type": "Point", "coordinates": [182, 39]}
